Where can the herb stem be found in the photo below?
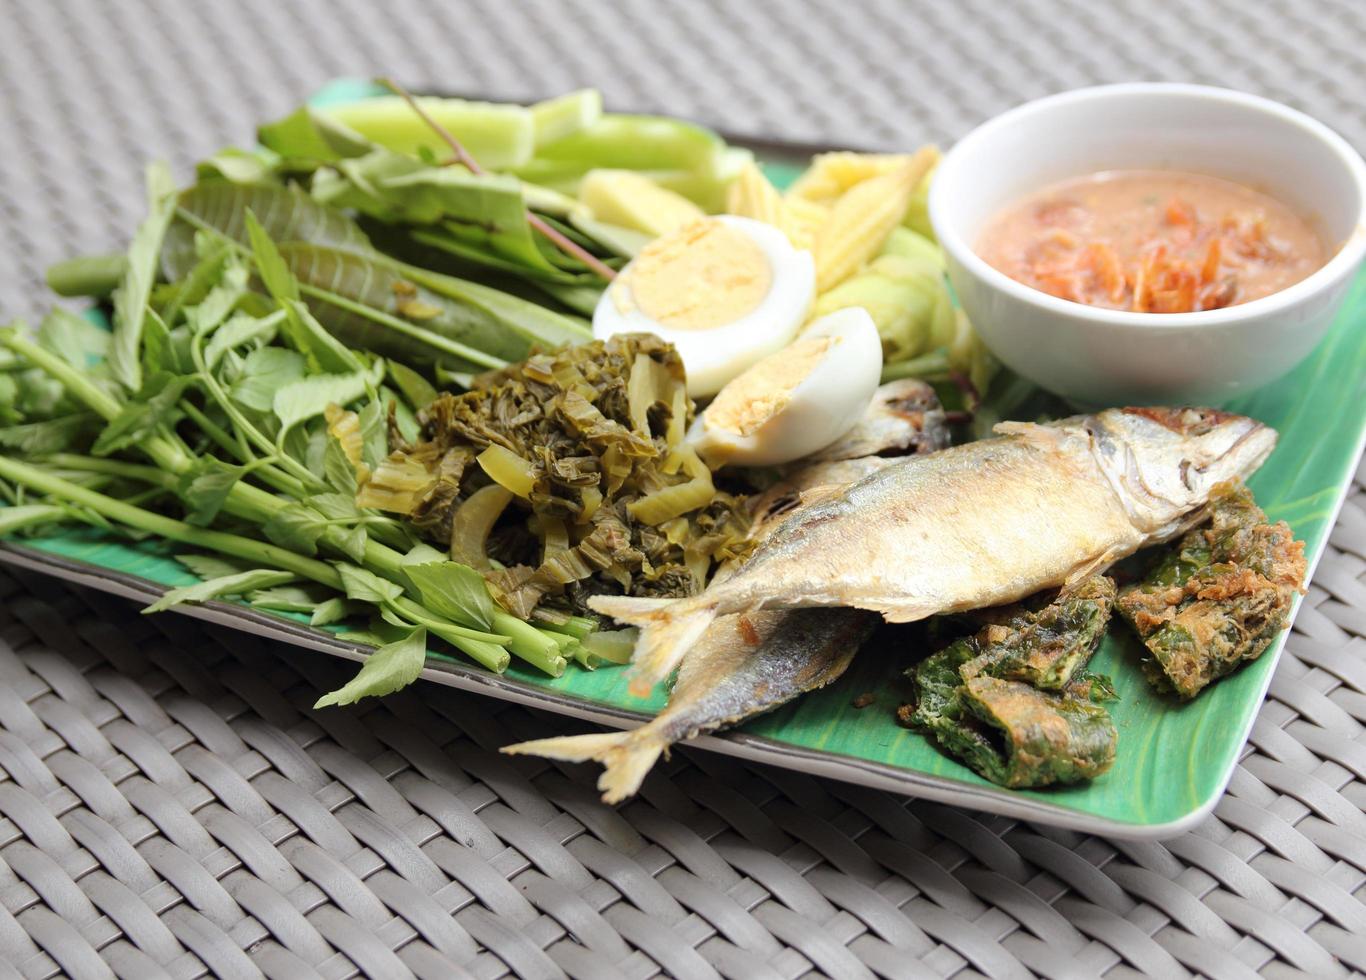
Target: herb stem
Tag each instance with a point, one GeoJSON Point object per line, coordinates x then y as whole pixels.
{"type": "Point", "coordinates": [112, 467]}
{"type": "Point", "coordinates": [235, 545]}
{"type": "Point", "coordinates": [462, 156]}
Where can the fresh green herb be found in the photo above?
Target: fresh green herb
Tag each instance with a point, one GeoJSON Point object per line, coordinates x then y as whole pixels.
{"type": "Point", "coordinates": [390, 668]}
{"type": "Point", "coordinates": [239, 583]}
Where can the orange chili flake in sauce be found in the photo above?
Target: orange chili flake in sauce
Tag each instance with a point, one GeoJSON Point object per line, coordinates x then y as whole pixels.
{"type": "Point", "coordinates": [1153, 241]}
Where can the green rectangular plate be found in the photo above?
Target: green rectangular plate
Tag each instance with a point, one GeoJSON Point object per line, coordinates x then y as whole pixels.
{"type": "Point", "coordinates": [1174, 760]}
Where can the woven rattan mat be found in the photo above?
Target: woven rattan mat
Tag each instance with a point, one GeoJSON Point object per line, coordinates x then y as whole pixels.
{"type": "Point", "coordinates": [170, 806]}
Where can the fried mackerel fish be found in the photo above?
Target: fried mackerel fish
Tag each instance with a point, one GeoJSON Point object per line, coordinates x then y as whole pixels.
{"type": "Point", "coordinates": [567, 475]}
{"type": "Point", "coordinates": [983, 524]}
{"type": "Point", "coordinates": [1218, 597]}
{"type": "Point", "coordinates": [1015, 702]}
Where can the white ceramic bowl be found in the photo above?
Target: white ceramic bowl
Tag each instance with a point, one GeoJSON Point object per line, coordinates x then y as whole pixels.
{"type": "Point", "coordinates": [1098, 356]}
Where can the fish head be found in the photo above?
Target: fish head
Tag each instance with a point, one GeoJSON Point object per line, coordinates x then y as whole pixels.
{"type": "Point", "coordinates": [1166, 461]}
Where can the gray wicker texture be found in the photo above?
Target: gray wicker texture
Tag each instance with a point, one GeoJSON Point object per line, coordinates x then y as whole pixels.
{"type": "Point", "coordinates": [170, 805]}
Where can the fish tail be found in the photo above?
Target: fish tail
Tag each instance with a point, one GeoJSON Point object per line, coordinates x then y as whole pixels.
{"type": "Point", "coordinates": [626, 756]}
{"type": "Point", "coordinates": [669, 628]}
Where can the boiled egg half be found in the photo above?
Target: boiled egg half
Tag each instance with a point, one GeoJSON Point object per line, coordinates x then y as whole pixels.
{"type": "Point", "coordinates": [725, 291]}
{"type": "Point", "coordinates": [798, 400]}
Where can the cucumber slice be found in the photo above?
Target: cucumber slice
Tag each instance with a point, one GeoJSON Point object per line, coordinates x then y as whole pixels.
{"type": "Point", "coordinates": [555, 119]}
{"type": "Point", "coordinates": [624, 142]}
{"type": "Point", "coordinates": [499, 137]}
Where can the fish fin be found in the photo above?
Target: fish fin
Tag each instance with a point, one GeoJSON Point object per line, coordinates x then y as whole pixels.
{"type": "Point", "coordinates": [669, 627]}
{"type": "Point", "coordinates": [1042, 436]}
{"type": "Point", "coordinates": [633, 610]}
{"type": "Point", "coordinates": [1104, 561]}
{"type": "Point", "coordinates": [626, 756]}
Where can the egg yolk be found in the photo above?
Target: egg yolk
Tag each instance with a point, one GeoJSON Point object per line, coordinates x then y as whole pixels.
{"type": "Point", "coordinates": [698, 277]}
{"type": "Point", "coordinates": [763, 390]}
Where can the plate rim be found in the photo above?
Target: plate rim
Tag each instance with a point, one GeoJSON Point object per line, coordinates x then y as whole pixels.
{"type": "Point", "coordinates": [912, 783]}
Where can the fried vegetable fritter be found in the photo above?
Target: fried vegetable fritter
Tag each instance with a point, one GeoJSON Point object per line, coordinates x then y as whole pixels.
{"type": "Point", "coordinates": [1218, 597]}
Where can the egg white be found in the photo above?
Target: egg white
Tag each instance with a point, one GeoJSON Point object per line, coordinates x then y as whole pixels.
{"type": "Point", "coordinates": [822, 407]}
{"type": "Point", "coordinates": [715, 355]}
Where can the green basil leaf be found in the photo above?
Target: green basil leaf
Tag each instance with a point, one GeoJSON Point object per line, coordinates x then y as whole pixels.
{"type": "Point", "coordinates": [238, 584]}
{"type": "Point", "coordinates": [335, 506]}
{"type": "Point", "coordinates": [141, 419]}
{"type": "Point", "coordinates": [278, 280]}
{"type": "Point", "coordinates": [295, 527]}
{"type": "Point", "coordinates": [214, 308]}
{"type": "Point", "coordinates": [374, 437]}
{"type": "Point", "coordinates": [309, 397]}
{"type": "Point", "coordinates": [331, 611]}
{"type": "Point", "coordinates": [164, 349]}
{"type": "Point", "coordinates": [352, 543]}
{"type": "Point", "coordinates": [240, 166]}
{"type": "Point", "coordinates": [337, 469]}
{"type": "Point", "coordinates": [73, 338]}
{"type": "Point", "coordinates": [239, 330]}
{"type": "Point", "coordinates": [416, 389]}
{"type": "Point", "coordinates": [365, 586]}
{"type": "Point", "coordinates": [50, 436]}
{"type": "Point", "coordinates": [130, 298]}
{"type": "Point", "coordinates": [453, 590]}
{"type": "Point", "coordinates": [422, 554]}
{"type": "Point", "coordinates": [301, 598]}
{"type": "Point", "coordinates": [212, 566]}
{"type": "Point", "coordinates": [390, 668]}
{"type": "Point", "coordinates": [265, 372]}
{"type": "Point", "coordinates": [205, 486]}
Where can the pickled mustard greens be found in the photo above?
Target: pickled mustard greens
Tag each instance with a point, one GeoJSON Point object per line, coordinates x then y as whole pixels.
{"type": "Point", "coordinates": [567, 475]}
{"type": "Point", "coordinates": [1217, 597]}
{"type": "Point", "coordinates": [1014, 700]}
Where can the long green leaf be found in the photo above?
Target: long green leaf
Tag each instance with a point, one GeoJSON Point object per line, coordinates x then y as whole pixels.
{"type": "Point", "coordinates": [414, 319]}
{"type": "Point", "coordinates": [130, 299]}
{"type": "Point", "coordinates": [287, 214]}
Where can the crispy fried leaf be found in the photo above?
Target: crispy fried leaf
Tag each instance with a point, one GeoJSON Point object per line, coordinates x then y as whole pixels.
{"type": "Point", "coordinates": [1218, 596]}
{"type": "Point", "coordinates": [982, 698]}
